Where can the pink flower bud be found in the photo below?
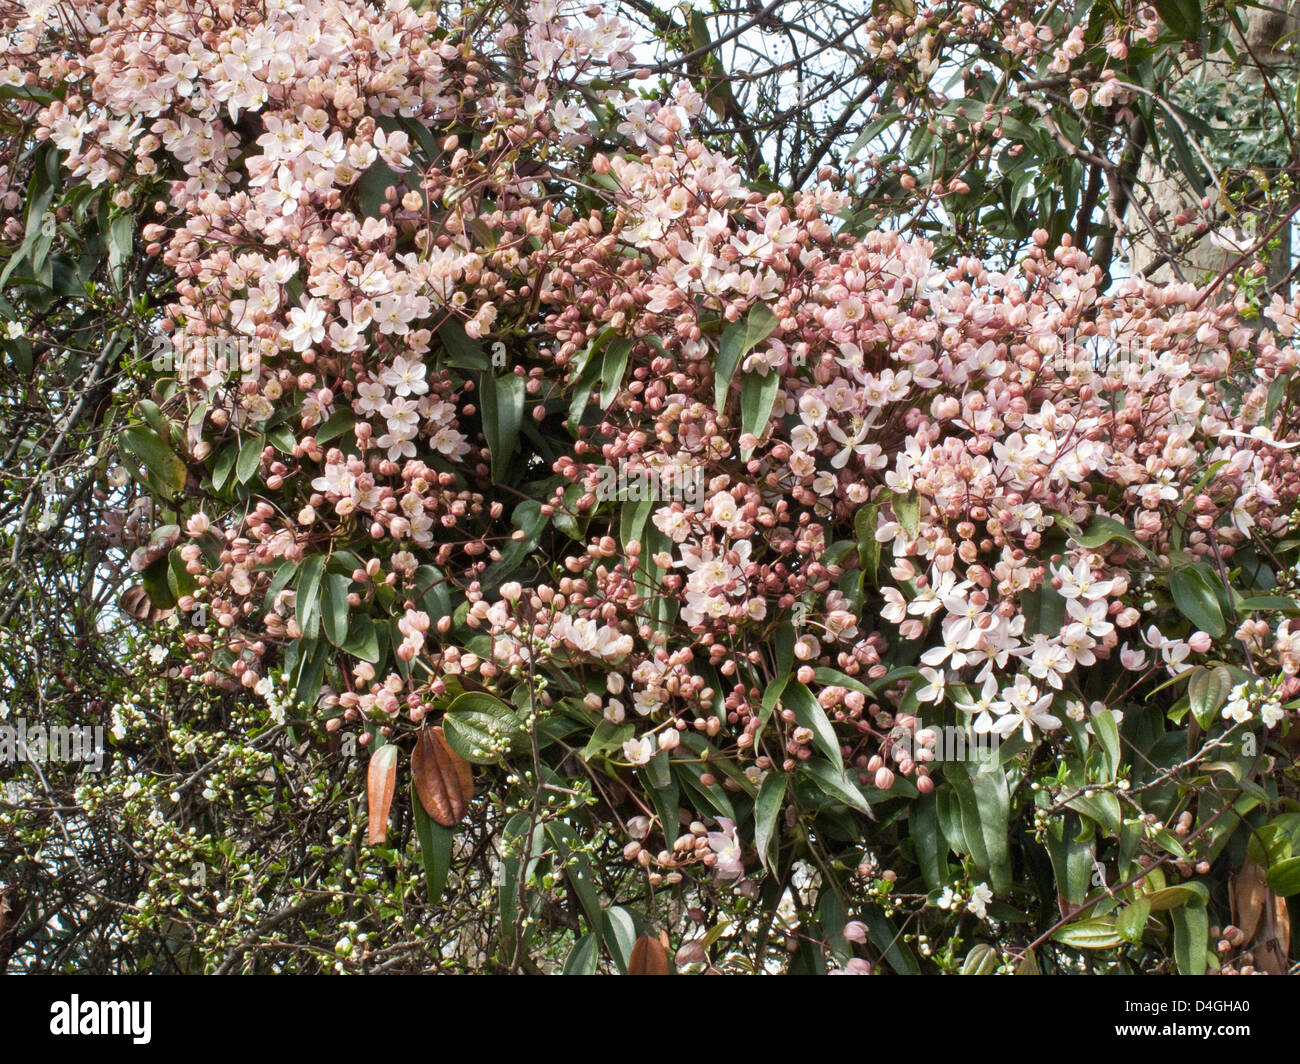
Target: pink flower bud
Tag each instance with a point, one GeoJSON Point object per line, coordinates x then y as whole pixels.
{"type": "Point", "coordinates": [855, 931]}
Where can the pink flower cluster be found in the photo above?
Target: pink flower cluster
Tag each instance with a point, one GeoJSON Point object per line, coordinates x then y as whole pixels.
{"type": "Point", "coordinates": [354, 192]}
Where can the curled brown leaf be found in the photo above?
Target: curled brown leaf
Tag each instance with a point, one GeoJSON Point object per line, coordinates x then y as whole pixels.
{"type": "Point", "coordinates": [380, 783]}
{"type": "Point", "coordinates": [443, 779]}
{"type": "Point", "coordinates": [648, 957]}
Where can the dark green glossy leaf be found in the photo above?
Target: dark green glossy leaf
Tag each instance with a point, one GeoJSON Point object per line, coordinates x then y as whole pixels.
{"type": "Point", "coordinates": [435, 849]}
{"type": "Point", "coordinates": [767, 810]}
{"type": "Point", "coordinates": [503, 411]}
{"type": "Point", "coordinates": [155, 455]}
{"type": "Point", "coordinates": [479, 725]}
{"type": "Point", "coordinates": [737, 341]}
{"type": "Point", "coordinates": [1196, 600]}
{"type": "Point", "coordinates": [1097, 932]}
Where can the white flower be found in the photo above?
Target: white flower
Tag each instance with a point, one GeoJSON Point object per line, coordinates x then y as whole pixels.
{"type": "Point", "coordinates": [726, 846]}
{"type": "Point", "coordinates": [405, 377]}
{"type": "Point", "coordinates": [1237, 710]}
{"type": "Point", "coordinates": [639, 751]}
{"type": "Point", "coordinates": [982, 707]}
{"type": "Point", "coordinates": [933, 689]}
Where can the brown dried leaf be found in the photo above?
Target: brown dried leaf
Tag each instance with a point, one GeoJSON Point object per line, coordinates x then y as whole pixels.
{"type": "Point", "coordinates": [1272, 952]}
{"type": "Point", "coordinates": [380, 783]}
{"type": "Point", "coordinates": [648, 957]}
{"type": "Point", "coordinates": [1249, 895]}
{"type": "Point", "coordinates": [443, 779]}
{"type": "Point", "coordinates": [134, 602]}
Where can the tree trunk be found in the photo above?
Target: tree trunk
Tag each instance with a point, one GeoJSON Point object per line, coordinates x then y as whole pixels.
{"type": "Point", "coordinates": [1169, 254]}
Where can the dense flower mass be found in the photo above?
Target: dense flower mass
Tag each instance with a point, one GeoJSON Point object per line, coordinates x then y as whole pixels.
{"type": "Point", "coordinates": [683, 471]}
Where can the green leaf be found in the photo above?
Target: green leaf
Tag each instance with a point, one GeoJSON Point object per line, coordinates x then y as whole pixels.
{"type": "Point", "coordinates": [737, 341]}
{"type": "Point", "coordinates": [757, 396]}
{"type": "Point", "coordinates": [1096, 933]}
{"type": "Point", "coordinates": [1191, 935]}
{"type": "Point", "coordinates": [224, 466]}
{"type": "Point", "coordinates": [583, 957]}
{"type": "Point", "coordinates": [152, 413]}
{"type": "Point", "coordinates": [1107, 732]}
{"type": "Point", "coordinates": [886, 938]}
{"type": "Point", "coordinates": [874, 130]}
{"type": "Point", "coordinates": [981, 960]}
{"type": "Point", "coordinates": [1267, 602]}
{"type": "Point", "coordinates": [503, 412]}
{"type": "Point", "coordinates": [1044, 610]}
{"type": "Point", "coordinates": [767, 808]}
{"type": "Point", "coordinates": [527, 517]}
{"type": "Point", "coordinates": [613, 367]}
{"type": "Point", "coordinates": [284, 573]}
{"type": "Point", "coordinates": [577, 872]}
{"type": "Point", "coordinates": [632, 519]}
{"type": "Point", "coordinates": [461, 352]}
{"type": "Point", "coordinates": [370, 189]}
{"type": "Point", "coordinates": [1132, 919]}
{"type": "Point", "coordinates": [1196, 600]}
{"type": "Point", "coordinates": [985, 804]}
{"type": "Point", "coordinates": [250, 457]}
{"type": "Point", "coordinates": [809, 714]}
{"type": "Point", "coordinates": [508, 900]}
{"type": "Point", "coordinates": [864, 531]}
{"type": "Point", "coordinates": [664, 797]}
{"type": "Point", "coordinates": [1284, 877]}
{"type": "Point", "coordinates": [363, 639]}
{"type": "Point", "coordinates": [619, 932]}
{"type": "Point", "coordinates": [834, 784]}
{"type": "Point", "coordinates": [1167, 898]}
{"type": "Point", "coordinates": [1072, 858]}
{"type": "Point", "coordinates": [178, 578]}
{"type": "Point", "coordinates": [121, 243]}
{"type": "Point", "coordinates": [931, 847]}
{"type": "Point", "coordinates": [1269, 844]}
{"type": "Point", "coordinates": [311, 667]}
{"type": "Point", "coordinates": [156, 585]}
{"type": "Point", "coordinates": [783, 641]}
{"type": "Point", "coordinates": [155, 455]}
{"type": "Point", "coordinates": [907, 508]}
{"type": "Point", "coordinates": [607, 737]}
{"type": "Point", "coordinates": [435, 599]}
{"type": "Point", "coordinates": [479, 725]}
{"type": "Point", "coordinates": [1207, 691]}
{"type": "Point", "coordinates": [307, 608]}
{"type": "Point", "coordinates": [1183, 17]}
{"type": "Point", "coordinates": [1102, 530]}
{"type": "Point", "coordinates": [1103, 807]}
{"type": "Point", "coordinates": [40, 193]}
{"type": "Point", "coordinates": [435, 849]}
{"type": "Point", "coordinates": [713, 797]}
{"type": "Point", "coordinates": [335, 425]}
{"type": "Point", "coordinates": [334, 608]}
